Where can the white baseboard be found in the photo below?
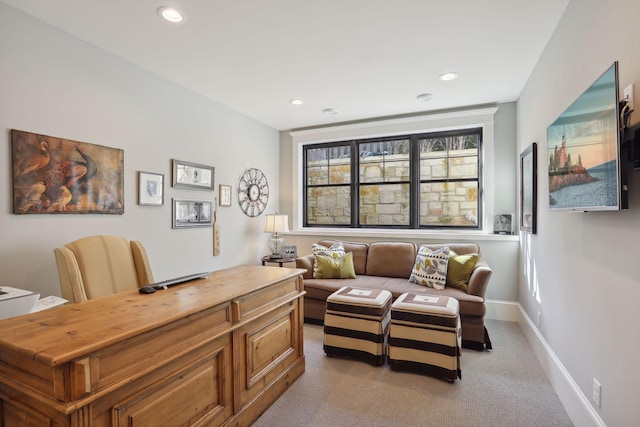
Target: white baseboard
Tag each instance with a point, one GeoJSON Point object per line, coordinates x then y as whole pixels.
{"type": "Point", "coordinates": [502, 310]}
{"type": "Point", "coordinates": [578, 407]}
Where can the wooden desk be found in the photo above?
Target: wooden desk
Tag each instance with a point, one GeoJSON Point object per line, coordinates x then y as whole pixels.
{"type": "Point", "coordinates": [209, 352]}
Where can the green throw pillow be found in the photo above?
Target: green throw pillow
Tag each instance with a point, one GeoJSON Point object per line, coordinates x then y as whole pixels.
{"type": "Point", "coordinates": [460, 269]}
{"type": "Point", "coordinates": [336, 250]}
{"type": "Point", "coordinates": [336, 268]}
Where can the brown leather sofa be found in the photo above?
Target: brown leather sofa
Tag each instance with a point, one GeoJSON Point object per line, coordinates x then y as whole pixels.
{"type": "Point", "coordinates": [388, 265]}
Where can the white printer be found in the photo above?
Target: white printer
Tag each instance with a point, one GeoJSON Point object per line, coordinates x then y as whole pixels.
{"type": "Point", "coordinates": [14, 301]}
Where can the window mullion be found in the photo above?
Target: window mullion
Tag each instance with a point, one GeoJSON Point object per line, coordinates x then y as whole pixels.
{"type": "Point", "coordinates": [355, 185]}
{"type": "Point", "coordinates": [414, 182]}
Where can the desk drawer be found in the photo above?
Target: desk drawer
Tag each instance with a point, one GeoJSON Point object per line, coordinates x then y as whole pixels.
{"type": "Point", "coordinates": [258, 302]}
{"type": "Point", "coordinates": [133, 357]}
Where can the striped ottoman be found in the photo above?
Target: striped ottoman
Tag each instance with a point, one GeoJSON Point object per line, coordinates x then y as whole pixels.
{"type": "Point", "coordinates": [356, 323]}
{"type": "Point", "coordinates": [425, 335]}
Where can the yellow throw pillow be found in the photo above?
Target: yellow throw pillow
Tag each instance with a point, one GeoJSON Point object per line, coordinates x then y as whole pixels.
{"type": "Point", "coordinates": [336, 267]}
{"type": "Point", "coordinates": [459, 270]}
{"type": "Point", "coordinates": [336, 250]}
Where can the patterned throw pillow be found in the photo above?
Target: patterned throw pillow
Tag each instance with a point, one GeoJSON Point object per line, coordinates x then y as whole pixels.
{"type": "Point", "coordinates": [335, 251]}
{"type": "Point", "coordinates": [459, 270]}
{"type": "Point", "coordinates": [430, 268]}
{"type": "Point", "coordinates": [336, 268]}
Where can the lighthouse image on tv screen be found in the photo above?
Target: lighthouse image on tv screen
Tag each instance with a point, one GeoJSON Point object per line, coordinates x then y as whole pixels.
{"type": "Point", "coordinates": [583, 150]}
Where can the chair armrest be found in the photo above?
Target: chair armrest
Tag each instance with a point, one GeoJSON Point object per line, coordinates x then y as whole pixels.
{"type": "Point", "coordinates": [479, 279]}
{"type": "Point", "coordinates": [306, 262]}
{"type": "Point", "coordinates": [141, 261]}
{"type": "Point", "coordinates": [71, 283]}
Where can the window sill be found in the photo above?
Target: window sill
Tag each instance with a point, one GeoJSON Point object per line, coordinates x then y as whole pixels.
{"type": "Point", "coordinates": [448, 235]}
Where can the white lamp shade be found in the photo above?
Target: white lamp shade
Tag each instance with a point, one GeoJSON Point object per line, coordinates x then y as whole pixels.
{"type": "Point", "coordinates": [276, 223]}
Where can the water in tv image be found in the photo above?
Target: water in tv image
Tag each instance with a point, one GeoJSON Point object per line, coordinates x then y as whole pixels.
{"type": "Point", "coordinates": [582, 149]}
{"type": "Point", "coordinates": [600, 190]}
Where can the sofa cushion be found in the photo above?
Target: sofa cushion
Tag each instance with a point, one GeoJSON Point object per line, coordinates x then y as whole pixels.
{"type": "Point", "coordinates": [459, 270]}
{"type": "Point", "coordinates": [459, 248]}
{"type": "Point", "coordinates": [336, 250]}
{"type": "Point", "coordinates": [335, 268]}
{"type": "Point", "coordinates": [430, 267]}
{"type": "Point", "coordinates": [320, 289]}
{"type": "Point", "coordinates": [391, 259]}
{"type": "Point", "coordinates": [359, 251]}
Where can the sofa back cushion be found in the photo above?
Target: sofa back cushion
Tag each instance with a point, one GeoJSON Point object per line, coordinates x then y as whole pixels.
{"type": "Point", "coordinates": [391, 259]}
{"type": "Point", "coordinates": [359, 251]}
{"type": "Point", "coordinates": [458, 248]}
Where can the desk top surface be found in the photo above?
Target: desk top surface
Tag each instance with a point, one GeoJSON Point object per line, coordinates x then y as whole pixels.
{"type": "Point", "coordinates": [66, 332]}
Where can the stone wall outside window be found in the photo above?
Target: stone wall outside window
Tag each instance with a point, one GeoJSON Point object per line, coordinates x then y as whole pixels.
{"type": "Point", "coordinates": [387, 203]}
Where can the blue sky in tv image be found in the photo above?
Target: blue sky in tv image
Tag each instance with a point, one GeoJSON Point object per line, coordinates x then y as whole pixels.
{"type": "Point", "coordinates": [582, 149]}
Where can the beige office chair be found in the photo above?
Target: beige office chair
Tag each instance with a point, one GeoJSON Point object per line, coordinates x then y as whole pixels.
{"type": "Point", "coordinates": [101, 265]}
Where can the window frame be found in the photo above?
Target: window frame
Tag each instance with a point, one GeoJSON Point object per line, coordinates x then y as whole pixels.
{"type": "Point", "coordinates": [305, 184]}
{"type": "Point", "coordinates": [414, 179]}
{"type": "Point", "coordinates": [452, 120]}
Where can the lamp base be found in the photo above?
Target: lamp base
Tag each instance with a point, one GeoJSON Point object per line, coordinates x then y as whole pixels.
{"type": "Point", "coordinates": [275, 244]}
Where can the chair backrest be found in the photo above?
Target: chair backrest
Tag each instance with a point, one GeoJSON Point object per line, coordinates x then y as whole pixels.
{"type": "Point", "coordinates": [95, 266]}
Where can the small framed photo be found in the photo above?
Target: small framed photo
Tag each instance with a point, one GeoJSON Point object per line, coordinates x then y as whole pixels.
{"type": "Point", "coordinates": [192, 213]}
{"type": "Point", "coordinates": [503, 224]}
{"type": "Point", "coordinates": [289, 251]}
{"type": "Point", "coordinates": [225, 195]}
{"type": "Point", "coordinates": [150, 189]}
{"type": "Point", "coordinates": [192, 175]}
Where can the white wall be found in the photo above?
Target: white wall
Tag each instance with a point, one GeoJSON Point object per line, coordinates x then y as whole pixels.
{"type": "Point", "coordinates": [54, 84]}
{"type": "Point", "coordinates": [584, 269]}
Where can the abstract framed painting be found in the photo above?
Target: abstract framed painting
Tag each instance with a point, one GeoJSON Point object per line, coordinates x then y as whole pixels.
{"type": "Point", "coordinates": [53, 175]}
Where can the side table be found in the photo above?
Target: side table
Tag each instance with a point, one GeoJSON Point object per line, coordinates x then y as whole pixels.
{"type": "Point", "coordinates": [279, 261]}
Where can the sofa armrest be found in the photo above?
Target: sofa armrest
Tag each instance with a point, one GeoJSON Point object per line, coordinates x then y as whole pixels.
{"type": "Point", "coordinates": [479, 278]}
{"type": "Point", "coordinates": [306, 262]}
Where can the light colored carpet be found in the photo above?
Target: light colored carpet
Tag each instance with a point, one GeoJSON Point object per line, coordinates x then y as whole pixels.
{"type": "Point", "coordinates": [502, 387]}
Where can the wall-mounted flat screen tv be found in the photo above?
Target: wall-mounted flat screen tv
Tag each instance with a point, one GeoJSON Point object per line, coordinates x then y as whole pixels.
{"type": "Point", "coordinates": [583, 151]}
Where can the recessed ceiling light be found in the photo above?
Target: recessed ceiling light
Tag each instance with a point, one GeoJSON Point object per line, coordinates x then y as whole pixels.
{"type": "Point", "coordinates": [330, 111]}
{"type": "Point", "coordinates": [448, 76]}
{"type": "Point", "coordinates": [425, 97]}
{"type": "Point", "coordinates": [171, 14]}
{"type": "Point", "coordinates": [296, 101]}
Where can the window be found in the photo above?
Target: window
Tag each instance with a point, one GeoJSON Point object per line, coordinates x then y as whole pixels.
{"type": "Point", "coordinates": [425, 180]}
{"type": "Point", "coordinates": [343, 200]}
{"type": "Point", "coordinates": [450, 179]}
{"type": "Point", "coordinates": [328, 184]}
{"type": "Point", "coordinates": [384, 183]}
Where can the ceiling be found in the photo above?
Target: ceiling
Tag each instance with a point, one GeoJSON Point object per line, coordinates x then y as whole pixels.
{"type": "Point", "coordinates": [363, 58]}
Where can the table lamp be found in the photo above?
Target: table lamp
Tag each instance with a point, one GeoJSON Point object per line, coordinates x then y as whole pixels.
{"type": "Point", "coordinates": [276, 224]}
